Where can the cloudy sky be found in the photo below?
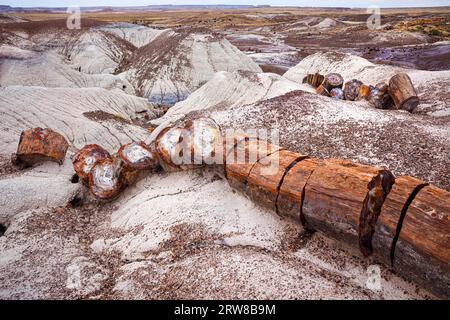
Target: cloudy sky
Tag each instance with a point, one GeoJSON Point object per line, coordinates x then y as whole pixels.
{"type": "Point", "coordinates": [300, 3]}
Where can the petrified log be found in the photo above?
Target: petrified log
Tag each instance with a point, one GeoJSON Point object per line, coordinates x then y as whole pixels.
{"type": "Point", "coordinates": [266, 177]}
{"type": "Point", "coordinates": [380, 98]}
{"type": "Point", "coordinates": [241, 159]}
{"type": "Point", "coordinates": [322, 91]}
{"type": "Point", "coordinates": [403, 93]}
{"type": "Point", "coordinates": [351, 89]}
{"type": "Point", "coordinates": [86, 158]}
{"type": "Point", "coordinates": [333, 80]}
{"type": "Point", "coordinates": [173, 148]}
{"type": "Point", "coordinates": [39, 145]}
{"type": "Point", "coordinates": [291, 195]}
{"type": "Point", "coordinates": [336, 195]}
{"type": "Point", "coordinates": [314, 79]}
{"type": "Point", "coordinates": [139, 156]}
{"type": "Point", "coordinates": [395, 206]}
{"type": "Point", "coordinates": [206, 140]}
{"type": "Point", "coordinates": [364, 92]}
{"type": "Point", "coordinates": [422, 252]}
{"type": "Point", "coordinates": [337, 93]}
{"type": "Point", "coordinates": [105, 178]}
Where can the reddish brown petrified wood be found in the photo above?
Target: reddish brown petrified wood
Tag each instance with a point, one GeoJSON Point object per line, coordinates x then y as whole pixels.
{"type": "Point", "coordinates": [267, 174]}
{"type": "Point", "coordinates": [403, 93]}
{"type": "Point", "coordinates": [334, 198]}
{"type": "Point", "coordinates": [38, 145]}
{"type": "Point", "coordinates": [291, 194]}
{"type": "Point", "coordinates": [243, 157]}
{"type": "Point", "coordinates": [422, 252]}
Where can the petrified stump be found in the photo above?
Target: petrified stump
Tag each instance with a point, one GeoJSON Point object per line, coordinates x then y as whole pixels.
{"type": "Point", "coordinates": [291, 195]}
{"type": "Point", "coordinates": [266, 176]}
{"type": "Point", "coordinates": [333, 80]}
{"type": "Point", "coordinates": [241, 159]}
{"type": "Point", "coordinates": [422, 252]}
{"type": "Point", "coordinates": [86, 158]}
{"type": "Point", "coordinates": [351, 89]}
{"type": "Point", "coordinates": [39, 145]}
{"type": "Point", "coordinates": [335, 196]}
{"type": "Point", "coordinates": [403, 93]}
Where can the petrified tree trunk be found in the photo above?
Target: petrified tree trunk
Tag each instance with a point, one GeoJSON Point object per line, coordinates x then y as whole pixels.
{"type": "Point", "coordinates": [403, 93]}
{"type": "Point", "coordinates": [39, 145]}
{"type": "Point", "coordinates": [267, 174]}
{"type": "Point", "coordinates": [291, 195]}
{"type": "Point", "coordinates": [422, 252]}
{"type": "Point", "coordinates": [86, 158]}
{"type": "Point", "coordinates": [335, 196]}
{"type": "Point", "coordinates": [241, 159]}
{"type": "Point", "coordinates": [138, 159]}
{"type": "Point", "coordinates": [351, 89]}
{"type": "Point", "coordinates": [333, 80]}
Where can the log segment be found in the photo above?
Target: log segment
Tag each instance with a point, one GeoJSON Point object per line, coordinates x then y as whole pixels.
{"type": "Point", "coordinates": [403, 93]}
{"type": "Point", "coordinates": [337, 93]}
{"type": "Point", "coordinates": [322, 91]}
{"type": "Point", "coordinates": [206, 140]}
{"type": "Point", "coordinates": [335, 196]}
{"type": "Point", "coordinates": [86, 158]}
{"type": "Point", "coordinates": [394, 208]}
{"type": "Point", "coordinates": [333, 80]}
{"type": "Point", "coordinates": [267, 175]}
{"type": "Point", "coordinates": [351, 89]}
{"type": "Point", "coordinates": [241, 159]}
{"type": "Point", "coordinates": [105, 178]}
{"type": "Point", "coordinates": [139, 156]}
{"type": "Point", "coordinates": [422, 252]}
{"type": "Point", "coordinates": [38, 145]}
{"type": "Point", "coordinates": [380, 98]}
{"type": "Point", "coordinates": [292, 190]}
{"type": "Point", "coordinates": [314, 79]}
{"type": "Point", "coordinates": [173, 148]}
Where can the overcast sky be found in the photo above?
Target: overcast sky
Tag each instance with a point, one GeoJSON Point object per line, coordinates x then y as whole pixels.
{"type": "Point", "coordinates": [300, 3]}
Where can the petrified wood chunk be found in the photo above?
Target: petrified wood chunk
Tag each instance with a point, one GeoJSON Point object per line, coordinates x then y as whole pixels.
{"type": "Point", "coordinates": [335, 195]}
{"type": "Point", "coordinates": [105, 179]}
{"type": "Point", "coordinates": [38, 145]}
{"type": "Point", "coordinates": [138, 155]}
{"type": "Point", "coordinates": [86, 158]}
{"type": "Point", "coordinates": [364, 92]}
{"type": "Point", "coordinates": [422, 252]}
{"type": "Point", "coordinates": [333, 80]}
{"type": "Point", "coordinates": [243, 157]}
{"type": "Point", "coordinates": [322, 91]}
{"type": "Point", "coordinates": [267, 174]}
{"type": "Point", "coordinates": [206, 140]}
{"type": "Point", "coordinates": [173, 148]}
{"type": "Point", "coordinates": [290, 198]}
{"type": "Point", "coordinates": [337, 93]}
{"type": "Point", "coordinates": [351, 89]}
{"type": "Point", "coordinates": [403, 93]}
{"type": "Point", "coordinates": [394, 207]}
{"type": "Point", "coordinates": [314, 79]}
